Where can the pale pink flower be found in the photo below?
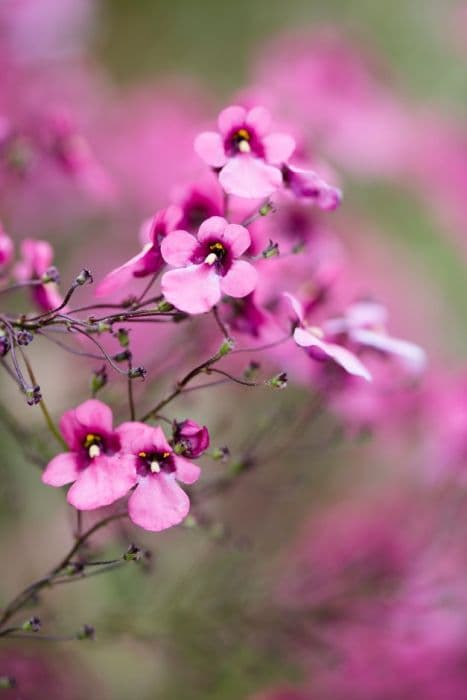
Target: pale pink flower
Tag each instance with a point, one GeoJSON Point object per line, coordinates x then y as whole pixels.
{"type": "Point", "coordinates": [101, 472]}
{"type": "Point", "coordinates": [6, 248]}
{"type": "Point", "coordinates": [209, 265]}
{"type": "Point", "coordinates": [315, 340]}
{"type": "Point", "coordinates": [158, 502]}
{"type": "Point", "coordinates": [248, 155]}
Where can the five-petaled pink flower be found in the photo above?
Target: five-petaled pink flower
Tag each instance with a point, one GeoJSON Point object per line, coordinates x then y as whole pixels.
{"type": "Point", "coordinates": [101, 472]}
{"type": "Point", "coordinates": [248, 155]}
{"type": "Point", "coordinates": [158, 502]}
{"type": "Point", "coordinates": [149, 260]}
{"type": "Point", "coordinates": [36, 261]}
{"type": "Point", "coordinates": [320, 348]}
{"type": "Point", "coordinates": [208, 265]}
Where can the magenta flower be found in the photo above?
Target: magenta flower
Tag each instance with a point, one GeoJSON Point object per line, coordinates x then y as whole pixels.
{"type": "Point", "coordinates": [364, 323]}
{"type": "Point", "coordinates": [198, 201]}
{"type": "Point", "coordinates": [308, 185]}
{"type": "Point", "coordinates": [158, 502]}
{"type": "Point", "coordinates": [248, 155]}
{"type": "Point", "coordinates": [149, 260]}
{"type": "Point", "coordinates": [101, 472]}
{"type": "Point", "coordinates": [320, 348]}
{"type": "Point", "coordinates": [36, 262]}
{"type": "Point", "coordinates": [190, 439]}
{"type": "Point", "coordinates": [208, 265]}
{"type": "Point", "coordinates": [6, 248]}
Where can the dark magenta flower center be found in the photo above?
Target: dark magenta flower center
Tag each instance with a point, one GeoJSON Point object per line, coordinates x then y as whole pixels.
{"type": "Point", "coordinates": [96, 444]}
{"type": "Point", "coordinates": [155, 462]}
{"type": "Point", "coordinates": [243, 140]}
{"type": "Point", "coordinates": [215, 254]}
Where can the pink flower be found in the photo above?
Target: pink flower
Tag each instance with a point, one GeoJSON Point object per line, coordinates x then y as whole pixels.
{"type": "Point", "coordinates": [319, 348]}
{"type": "Point", "coordinates": [191, 439]}
{"type": "Point", "coordinates": [36, 262]}
{"type": "Point", "coordinates": [364, 323]}
{"type": "Point", "coordinates": [246, 152]}
{"type": "Point", "coordinates": [6, 248]}
{"type": "Point", "coordinates": [149, 260]}
{"type": "Point", "coordinates": [209, 265]}
{"type": "Point", "coordinates": [158, 501]}
{"type": "Point", "coordinates": [307, 184]}
{"type": "Point", "coordinates": [101, 472]}
{"type": "Point", "coordinates": [198, 201]}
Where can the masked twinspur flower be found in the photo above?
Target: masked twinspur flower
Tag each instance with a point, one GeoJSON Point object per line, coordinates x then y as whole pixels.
{"type": "Point", "coordinates": [149, 260]}
{"type": "Point", "coordinates": [101, 472]}
{"type": "Point", "coordinates": [320, 348]}
{"type": "Point", "coordinates": [364, 323]}
{"type": "Point", "coordinates": [158, 502]}
{"type": "Point", "coordinates": [248, 155]}
{"type": "Point", "coordinates": [36, 260]}
{"type": "Point", "coordinates": [309, 186]}
{"type": "Point", "coordinates": [208, 265]}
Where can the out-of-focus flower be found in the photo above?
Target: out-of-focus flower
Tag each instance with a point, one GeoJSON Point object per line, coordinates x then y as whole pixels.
{"type": "Point", "coordinates": [209, 265]}
{"type": "Point", "coordinates": [190, 439]}
{"type": "Point", "coordinates": [308, 185]}
{"type": "Point", "coordinates": [95, 463]}
{"type": "Point", "coordinates": [246, 152]}
{"type": "Point", "coordinates": [158, 502]}
{"type": "Point", "coordinates": [35, 264]}
{"type": "Point", "coordinates": [314, 339]}
{"type": "Point", "coordinates": [149, 260]}
{"type": "Point", "coordinates": [364, 323]}
{"type": "Point", "coordinates": [198, 201]}
{"type": "Point", "coordinates": [6, 248]}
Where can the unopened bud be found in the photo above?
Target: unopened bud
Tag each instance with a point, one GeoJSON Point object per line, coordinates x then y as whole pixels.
{"type": "Point", "coordinates": [86, 632]}
{"type": "Point", "coordinates": [267, 208]}
{"type": "Point", "coordinates": [279, 381]}
{"type": "Point", "coordinates": [220, 454]}
{"type": "Point", "coordinates": [31, 625]}
{"type": "Point", "coordinates": [51, 275]}
{"type": "Point", "coordinates": [271, 251]}
{"type": "Point", "coordinates": [133, 553]}
{"type": "Point", "coordinates": [123, 356]}
{"type": "Point", "coordinates": [83, 278]}
{"type": "Point", "coordinates": [164, 306]}
{"type": "Point", "coordinates": [98, 379]}
{"type": "Point", "coordinates": [33, 395]}
{"type": "Point", "coordinates": [7, 682]}
{"type": "Point", "coordinates": [24, 337]}
{"type": "Point", "coordinates": [122, 335]}
{"type": "Point", "coordinates": [137, 373]}
{"type": "Point", "coordinates": [226, 347]}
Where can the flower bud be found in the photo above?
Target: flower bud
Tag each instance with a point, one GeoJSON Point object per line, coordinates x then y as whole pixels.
{"type": "Point", "coordinates": [220, 454]}
{"type": "Point", "coordinates": [279, 381]}
{"type": "Point", "coordinates": [83, 278]}
{"type": "Point", "coordinates": [86, 632]}
{"type": "Point", "coordinates": [271, 251]}
{"type": "Point", "coordinates": [51, 275]}
{"type": "Point", "coordinates": [24, 337]}
{"type": "Point", "coordinates": [122, 335]}
{"type": "Point", "coordinates": [134, 553]}
{"type": "Point", "coordinates": [226, 347]}
{"type": "Point", "coordinates": [31, 625]}
{"type": "Point", "coordinates": [99, 379]}
{"type": "Point", "coordinates": [137, 373]}
{"type": "Point", "coordinates": [190, 439]}
{"type": "Point", "coordinates": [33, 395]}
{"type": "Point", "coordinates": [7, 682]}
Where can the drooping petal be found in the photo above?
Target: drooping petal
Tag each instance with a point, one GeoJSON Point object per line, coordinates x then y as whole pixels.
{"type": "Point", "coordinates": [412, 355]}
{"type": "Point", "coordinates": [94, 415]}
{"type": "Point", "coordinates": [231, 118]}
{"type": "Point", "coordinates": [278, 148]}
{"type": "Point", "coordinates": [210, 148]}
{"type": "Point", "coordinates": [158, 503]}
{"type": "Point", "coordinates": [343, 357]}
{"type": "Point", "coordinates": [178, 247]}
{"type": "Point", "coordinates": [212, 228]}
{"type": "Point", "coordinates": [147, 262]}
{"type": "Point", "coordinates": [259, 119]}
{"type": "Point", "coordinates": [186, 471]}
{"type": "Point", "coordinates": [245, 176]}
{"type": "Point", "coordinates": [237, 239]}
{"type": "Point", "coordinates": [103, 482]}
{"type": "Point", "coordinates": [240, 280]}
{"type": "Point", "coordinates": [61, 470]}
{"type": "Point", "coordinates": [194, 289]}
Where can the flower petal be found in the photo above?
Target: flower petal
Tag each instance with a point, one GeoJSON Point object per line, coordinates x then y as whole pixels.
{"type": "Point", "coordinates": [194, 289]}
{"type": "Point", "coordinates": [178, 247]}
{"type": "Point", "coordinates": [240, 280]}
{"type": "Point", "coordinates": [104, 481]}
{"type": "Point", "coordinates": [343, 357]}
{"type": "Point", "coordinates": [186, 471]}
{"type": "Point", "coordinates": [278, 148]}
{"type": "Point", "coordinates": [210, 148]}
{"type": "Point", "coordinates": [413, 355]}
{"type": "Point", "coordinates": [158, 503]}
{"type": "Point", "coordinates": [231, 118]}
{"type": "Point", "coordinates": [145, 263]}
{"type": "Point", "coordinates": [61, 470]}
{"type": "Point", "coordinates": [259, 119]}
{"type": "Point", "coordinates": [94, 414]}
{"type": "Point", "coordinates": [237, 239]}
{"type": "Point", "coordinates": [245, 176]}
{"type": "Point", "coordinates": [296, 307]}
{"type": "Point", "coordinates": [212, 228]}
